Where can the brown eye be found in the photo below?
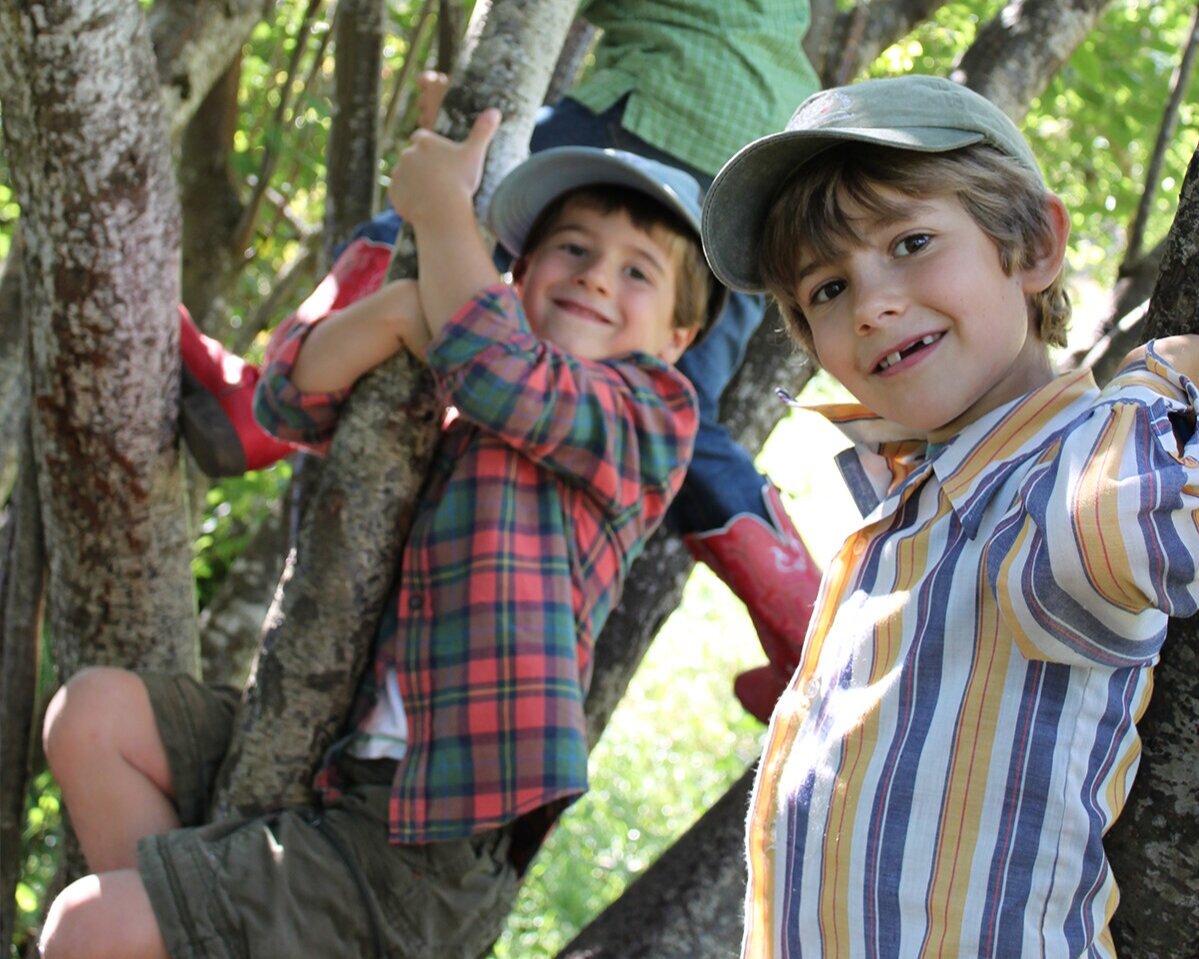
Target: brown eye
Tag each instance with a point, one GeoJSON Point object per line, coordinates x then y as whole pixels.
{"type": "Point", "coordinates": [913, 243]}
{"type": "Point", "coordinates": [827, 291]}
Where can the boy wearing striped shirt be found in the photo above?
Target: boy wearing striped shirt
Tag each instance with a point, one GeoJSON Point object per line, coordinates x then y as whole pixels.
{"type": "Point", "coordinates": [960, 732]}
{"type": "Point", "coordinates": [568, 432]}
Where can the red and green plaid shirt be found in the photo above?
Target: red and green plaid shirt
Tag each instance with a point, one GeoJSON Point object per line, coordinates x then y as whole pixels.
{"type": "Point", "coordinates": [543, 491]}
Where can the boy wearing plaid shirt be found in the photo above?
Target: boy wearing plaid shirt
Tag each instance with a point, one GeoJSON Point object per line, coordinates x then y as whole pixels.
{"type": "Point", "coordinates": [686, 83]}
{"type": "Point", "coordinates": [568, 432]}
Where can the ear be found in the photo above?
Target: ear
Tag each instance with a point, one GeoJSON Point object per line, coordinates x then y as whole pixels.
{"type": "Point", "coordinates": [681, 337]}
{"type": "Point", "coordinates": [1048, 263]}
{"type": "Point", "coordinates": [519, 267]}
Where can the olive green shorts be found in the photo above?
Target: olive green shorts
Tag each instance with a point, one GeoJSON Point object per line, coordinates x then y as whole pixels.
{"type": "Point", "coordinates": [320, 881]}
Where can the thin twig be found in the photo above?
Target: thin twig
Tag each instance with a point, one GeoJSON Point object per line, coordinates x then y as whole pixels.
{"type": "Point", "coordinates": [1178, 86]}
{"type": "Point", "coordinates": [245, 227]}
{"type": "Point", "coordinates": [416, 41]}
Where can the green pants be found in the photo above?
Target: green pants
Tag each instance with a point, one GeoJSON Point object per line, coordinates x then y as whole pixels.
{"type": "Point", "coordinates": [320, 881]}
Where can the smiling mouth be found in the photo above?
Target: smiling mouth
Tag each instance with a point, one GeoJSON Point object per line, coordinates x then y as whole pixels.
{"type": "Point", "coordinates": [582, 312]}
{"type": "Point", "coordinates": [891, 359]}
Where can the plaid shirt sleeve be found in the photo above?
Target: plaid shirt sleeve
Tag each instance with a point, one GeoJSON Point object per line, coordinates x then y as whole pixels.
{"type": "Point", "coordinates": [623, 428]}
{"type": "Point", "coordinates": [283, 410]}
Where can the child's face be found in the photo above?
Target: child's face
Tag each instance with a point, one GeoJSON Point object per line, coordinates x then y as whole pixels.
{"type": "Point", "coordinates": [599, 286]}
{"type": "Point", "coordinates": [920, 322]}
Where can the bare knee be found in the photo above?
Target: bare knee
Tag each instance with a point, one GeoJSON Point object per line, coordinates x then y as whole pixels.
{"type": "Point", "coordinates": [65, 932]}
{"type": "Point", "coordinates": [100, 916]}
{"type": "Point", "coordinates": [100, 716]}
{"type": "Point", "coordinates": [77, 717]}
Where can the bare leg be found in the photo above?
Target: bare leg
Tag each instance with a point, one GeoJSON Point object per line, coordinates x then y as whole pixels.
{"type": "Point", "coordinates": [103, 747]}
{"type": "Point", "coordinates": [102, 916]}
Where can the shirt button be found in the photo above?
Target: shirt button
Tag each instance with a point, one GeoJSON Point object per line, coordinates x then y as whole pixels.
{"type": "Point", "coordinates": [416, 602]}
{"type": "Point", "coordinates": [811, 688]}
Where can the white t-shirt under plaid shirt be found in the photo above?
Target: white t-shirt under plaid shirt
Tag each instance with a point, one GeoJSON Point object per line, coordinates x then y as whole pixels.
{"type": "Point", "coordinates": [961, 731]}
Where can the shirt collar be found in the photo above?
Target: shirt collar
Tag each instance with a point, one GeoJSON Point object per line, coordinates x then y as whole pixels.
{"type": "Point", "coordinates": [888, 459]}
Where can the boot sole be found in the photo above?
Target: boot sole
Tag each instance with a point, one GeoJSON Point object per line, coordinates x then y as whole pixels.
{"type": "Point", "coordinates": [209, 435]}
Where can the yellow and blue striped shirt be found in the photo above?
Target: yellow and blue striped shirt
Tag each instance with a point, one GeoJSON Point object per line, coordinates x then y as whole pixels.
{"type": "Point", "coordinates": [961, 731]}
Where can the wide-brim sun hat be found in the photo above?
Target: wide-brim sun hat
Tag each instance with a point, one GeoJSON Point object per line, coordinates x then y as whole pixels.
{"type": "Point", "coordinates": [920, 113]}
{"type": "Point", "coordinates": [529, 188]}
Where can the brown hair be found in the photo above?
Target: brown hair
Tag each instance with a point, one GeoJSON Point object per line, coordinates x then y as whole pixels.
{"type": "Point", "coordinates": [695, 283]}
{"type": "Point", "coordinates": [1006, 201]}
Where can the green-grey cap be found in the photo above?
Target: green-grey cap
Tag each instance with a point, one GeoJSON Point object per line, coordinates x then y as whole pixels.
{"type": "Point", "coordinates": [921, 113]}
{"type": "Point", "coordinates": [534, 184]}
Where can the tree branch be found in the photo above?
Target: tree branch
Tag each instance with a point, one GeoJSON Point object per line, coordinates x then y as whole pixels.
{"type": "Point", "coordinates": [860, 34]}
{"type": "Point", "coordinates": [1154, 845]}
{"type": "Point", "coordinates": [1017, 53]}
{"type": "Point", "coordinates": [22, 584]}
{"type": "Point", "coordinates": [194, 42]}
{"type": "Point", "coordinates": [352, 153]}
{"type": "Point", "coordinates": [270, 155]}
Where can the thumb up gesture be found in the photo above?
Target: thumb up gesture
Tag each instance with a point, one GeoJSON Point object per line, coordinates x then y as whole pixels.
{"type": "Point", "coordinates": [433, 171]}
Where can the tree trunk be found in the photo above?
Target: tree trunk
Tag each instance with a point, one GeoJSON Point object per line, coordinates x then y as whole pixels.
{"type": "Point", "coordinates": [91, 166]}
{"type": "Point", "coordinates": [688, 904]}
{"type": "Point", "coordinates": [318, 636]}
{"type": "Point", "coordinates": [14, 368]}
{"type": "Point", "coordinates": [195, 41]}
{"type": "Point", "coordinates": [354, 136]}
{"type": "Point", "coordinates": [232, 622]}
{"type": "Point", "coordinates": [212, 208]}
{"type": "Point", "coordinates": [1154, 845]}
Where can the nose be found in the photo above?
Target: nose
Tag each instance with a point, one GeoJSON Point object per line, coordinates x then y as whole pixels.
{"type": "Point", "coordinates": [595, 273]}
{"type": "Point", "coordinates": [878, 299]}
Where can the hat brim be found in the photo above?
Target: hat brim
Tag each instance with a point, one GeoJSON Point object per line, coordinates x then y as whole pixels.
{"type": "Point", "coordinates": [523, 195]}
{"type": "Point", "coordinates": [741, 195]}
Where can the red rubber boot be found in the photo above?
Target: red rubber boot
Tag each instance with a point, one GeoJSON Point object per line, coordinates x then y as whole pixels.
{"type": "Point", "coordinates": [216, 410]}
{"type": "Point", "coordinates": [217, 406]}
{"type": "Point", "coordinates": [770, 570]}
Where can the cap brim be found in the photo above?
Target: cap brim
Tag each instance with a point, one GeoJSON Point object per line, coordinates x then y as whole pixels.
{"type": "Point", "coordinates": [535, 184]}
{"type": "Point", "coordinates": [741, 195]}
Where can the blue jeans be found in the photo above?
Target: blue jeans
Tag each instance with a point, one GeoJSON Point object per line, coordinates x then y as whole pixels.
{"type": "Point", "coordinates": [722, 480]}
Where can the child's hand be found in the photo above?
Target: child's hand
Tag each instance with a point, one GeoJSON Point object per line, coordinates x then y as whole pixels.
{"type": "Point", "coordinates": [433, 171]}
{"type": "Point", "coordinates": [432, 87]}
{"type": "Point", "coordinates": [411, 327]}
{"type": "Point", "coordinates": [1181, 352]}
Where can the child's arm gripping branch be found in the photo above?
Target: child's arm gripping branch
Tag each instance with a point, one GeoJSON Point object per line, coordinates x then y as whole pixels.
{"type": "Point", "coordinates": [334, 347]}
{"type": "Point", "coordinates": [433, 187]}
{"type": "Point", "coordinates": [354, 340]}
